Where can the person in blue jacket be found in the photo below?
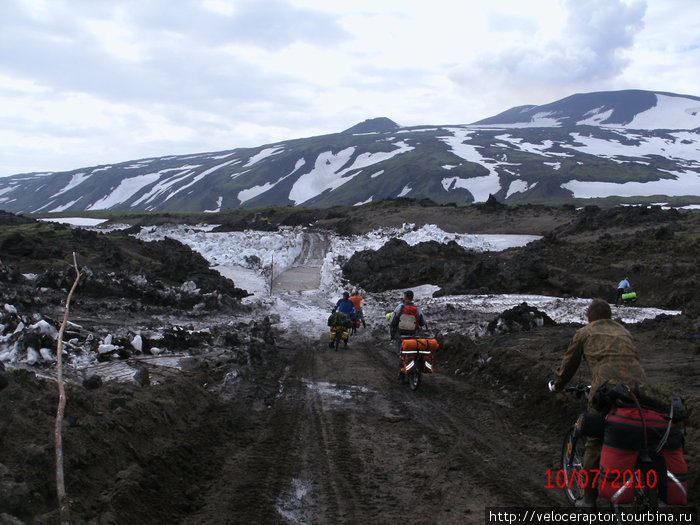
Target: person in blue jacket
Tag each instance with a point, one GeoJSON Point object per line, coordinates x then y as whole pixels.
{"type": "Point", "coordinates": [345, 306]}
{"type": "Point", "coordinates": [623, 287]}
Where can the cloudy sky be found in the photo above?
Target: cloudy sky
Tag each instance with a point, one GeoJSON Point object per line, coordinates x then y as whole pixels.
{"type": "Point", "coordinates": [85, 82]}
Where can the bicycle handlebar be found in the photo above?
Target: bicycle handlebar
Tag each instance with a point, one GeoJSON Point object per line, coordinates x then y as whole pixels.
{"type": "Point", "coordinates": [578, 389]}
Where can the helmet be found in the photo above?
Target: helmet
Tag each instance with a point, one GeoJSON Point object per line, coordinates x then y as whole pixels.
{"type": "Point", "coordinates": [388, 316]}
{"type": "Point", "coordinates": [346, 294]}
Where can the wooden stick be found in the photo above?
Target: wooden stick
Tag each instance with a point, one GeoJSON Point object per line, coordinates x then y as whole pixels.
{"type": "Point", "coordinates": [63, 503]}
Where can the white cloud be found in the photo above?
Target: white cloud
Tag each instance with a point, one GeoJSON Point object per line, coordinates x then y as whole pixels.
{"type": "Point", "coordinates": [84, 83]}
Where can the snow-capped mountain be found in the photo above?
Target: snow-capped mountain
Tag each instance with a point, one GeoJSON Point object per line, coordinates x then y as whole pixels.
{"type": "Point", "coordinates": [631, 109]}
{"type": "Point", "coordinates": [624, 146]}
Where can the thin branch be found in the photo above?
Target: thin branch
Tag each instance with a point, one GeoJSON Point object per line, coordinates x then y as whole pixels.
{"type": "Point", "coordinates": [63, 503]}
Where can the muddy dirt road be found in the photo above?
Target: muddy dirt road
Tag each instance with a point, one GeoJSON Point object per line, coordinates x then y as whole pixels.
{"type": "Point", "coordinates": [318, 436]}
{"type": "Point", "coordinates": [342, 441]}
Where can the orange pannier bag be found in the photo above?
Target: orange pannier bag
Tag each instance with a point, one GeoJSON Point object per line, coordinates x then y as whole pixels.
{"type": "Point", "coordinates": [419, 344]}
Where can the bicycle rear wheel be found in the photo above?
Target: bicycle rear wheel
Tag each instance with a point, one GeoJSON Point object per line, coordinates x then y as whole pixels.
{"type": "Point", "coordinates": [572, 463]}
{"type": "Point", "coordinates": [646, 498]}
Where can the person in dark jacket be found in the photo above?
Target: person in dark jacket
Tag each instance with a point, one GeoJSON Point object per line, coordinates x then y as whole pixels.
{"type": "Point", "coordinates": [608, 349]}
{"type": "Point", "coordinates": [345, 306]}
{"type": "Point", "coordinates": [407, 319]}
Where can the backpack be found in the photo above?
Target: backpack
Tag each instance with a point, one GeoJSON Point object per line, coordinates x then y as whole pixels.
{"type": "Point", "coordinates": [339, 319]}
{"type": "Point", "coordinates": [408, 320]}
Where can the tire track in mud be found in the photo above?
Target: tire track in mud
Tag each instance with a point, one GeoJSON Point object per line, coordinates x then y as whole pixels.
{"type": "Point", "coordinates": [328, 459]}
{"type": "Point", "coordinates": [477, 440]}
{"type": "Point", "coordinates": [442, 448]}
{"type": "Point", "coordinates": [259, 465]}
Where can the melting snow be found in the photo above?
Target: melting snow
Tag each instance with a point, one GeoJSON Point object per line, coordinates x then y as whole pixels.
{"type": "Point", "coordinates": [683, 183]}
{"type": "Point", "coordinates": [405, 191]}
{"type": "Point", "coordinates": [517, 186]}
{"type": "Point", "coordinates": [328, 172]}
{"type": "Point", "coordinates": [126, 189]}
{"type": "Point", "coordinates": [267, 152]}
{"type": "Point", "coordinates": [219, 201]}
{"type": "Point", "coordinates": [479, 187]}
{"type": "Point", "coordinates": [200, 177]}
{"type": "Point", "coordinates": [64, 206]}
{"type": "Point", "coordinates": [322, 177]}
{"type": "Point", "coordinates": [246, 257]}
{"type": "Point", "coordinates": [76, 221]}
{"type": "Point", "coordinates": [669, 113]}
{"type": "Point", "coordinates": [75, 180]}
{"type": "Point", "coordinates": [595, 117]}
{"type": "Point", "coordinates": [245, 195]}
{"type": "Point", "coordinates": [163, 185]}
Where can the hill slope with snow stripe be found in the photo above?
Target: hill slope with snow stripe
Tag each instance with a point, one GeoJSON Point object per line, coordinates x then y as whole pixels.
{"type": "Point", "coordinates": [626, 146]}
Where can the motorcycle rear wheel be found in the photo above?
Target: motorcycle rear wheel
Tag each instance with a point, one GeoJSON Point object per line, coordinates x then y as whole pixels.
{"type": "Point", "coordinates": [414, 379]}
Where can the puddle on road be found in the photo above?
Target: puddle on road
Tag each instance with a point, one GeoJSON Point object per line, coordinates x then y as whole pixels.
{"type": "Point", "coordinates": [292, 506]}
{"type": "Point", "coordinates": [336, 394]}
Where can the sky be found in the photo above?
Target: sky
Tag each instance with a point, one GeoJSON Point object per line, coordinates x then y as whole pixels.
{"type": "Point", "coordinates": [84, 83]}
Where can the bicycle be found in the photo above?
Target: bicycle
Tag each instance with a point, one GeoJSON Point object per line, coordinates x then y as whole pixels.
{"type": "Point", "coordinates": [642, 477]}
{"type": "Point", "coordinates": [338, 334]}
{"type": "Point", "coordinates": [416, 357]}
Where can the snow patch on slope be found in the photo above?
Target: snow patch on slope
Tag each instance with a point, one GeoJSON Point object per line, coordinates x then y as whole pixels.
{"type": "Point", "coordinates": [322, 177]}
{"type": "Point", "coordinates": [75, 180]}
{"type": "Point", "coordinates": [246, 195]}
{"type": "Point", "coordinates": [328, 172]}
{"type": "Point", "coordinates": [595, 117]}
{"type": "Point", "coordinates": [682, 183]}
{"type": "Point", "coordinates": [479, 187]}
{"type": "Point", "coordinates": [267, 152]}
{"type": "Point", "coordinates": [684, 147]}
{"type": "Point", "coordinates": [200, 177]}
{"type": "Point", "coordinates": [126, 189]}
{"type": "Point", "coordinates": [669, 113]}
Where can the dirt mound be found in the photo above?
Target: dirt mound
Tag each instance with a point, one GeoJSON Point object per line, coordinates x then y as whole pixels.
{"type": "Point", "coordinates": [397, 264]}
{"type": "Point", "coordinates": [10, 219]}
{"type": "Point", "coordinates": [137, 451]}
{"type": "Point", "coordinates": [593, 218]}
{"type": "Point", "coordinates": [573, 260]}
{"type": "Point", "coordinates": [113, 265]}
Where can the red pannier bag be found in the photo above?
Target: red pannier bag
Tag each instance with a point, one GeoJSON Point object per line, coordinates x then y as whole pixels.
{"type": "Point", "coordinates": [675, 491]}
{"type": "Point", "coordinates": [672, 468]}
{"type": "Point", "coordinates": [622, 442]}
{"type": "Point", "coordinates": [429, 364]}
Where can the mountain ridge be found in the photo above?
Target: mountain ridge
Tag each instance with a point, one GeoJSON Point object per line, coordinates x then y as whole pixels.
{"type": "Point", "coordinates": [586, 147]}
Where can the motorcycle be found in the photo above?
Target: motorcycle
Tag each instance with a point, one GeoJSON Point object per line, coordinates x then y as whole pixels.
{"type": "Point", "coordinates": [417, 358]}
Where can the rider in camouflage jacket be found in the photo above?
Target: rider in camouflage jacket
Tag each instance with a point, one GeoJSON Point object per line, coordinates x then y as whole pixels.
{"type": "Point", "coordinates": [608, 349]}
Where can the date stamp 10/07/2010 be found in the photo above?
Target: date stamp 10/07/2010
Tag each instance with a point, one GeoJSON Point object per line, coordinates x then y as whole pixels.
{"type": "Point", "coordinates": [599, 478]}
